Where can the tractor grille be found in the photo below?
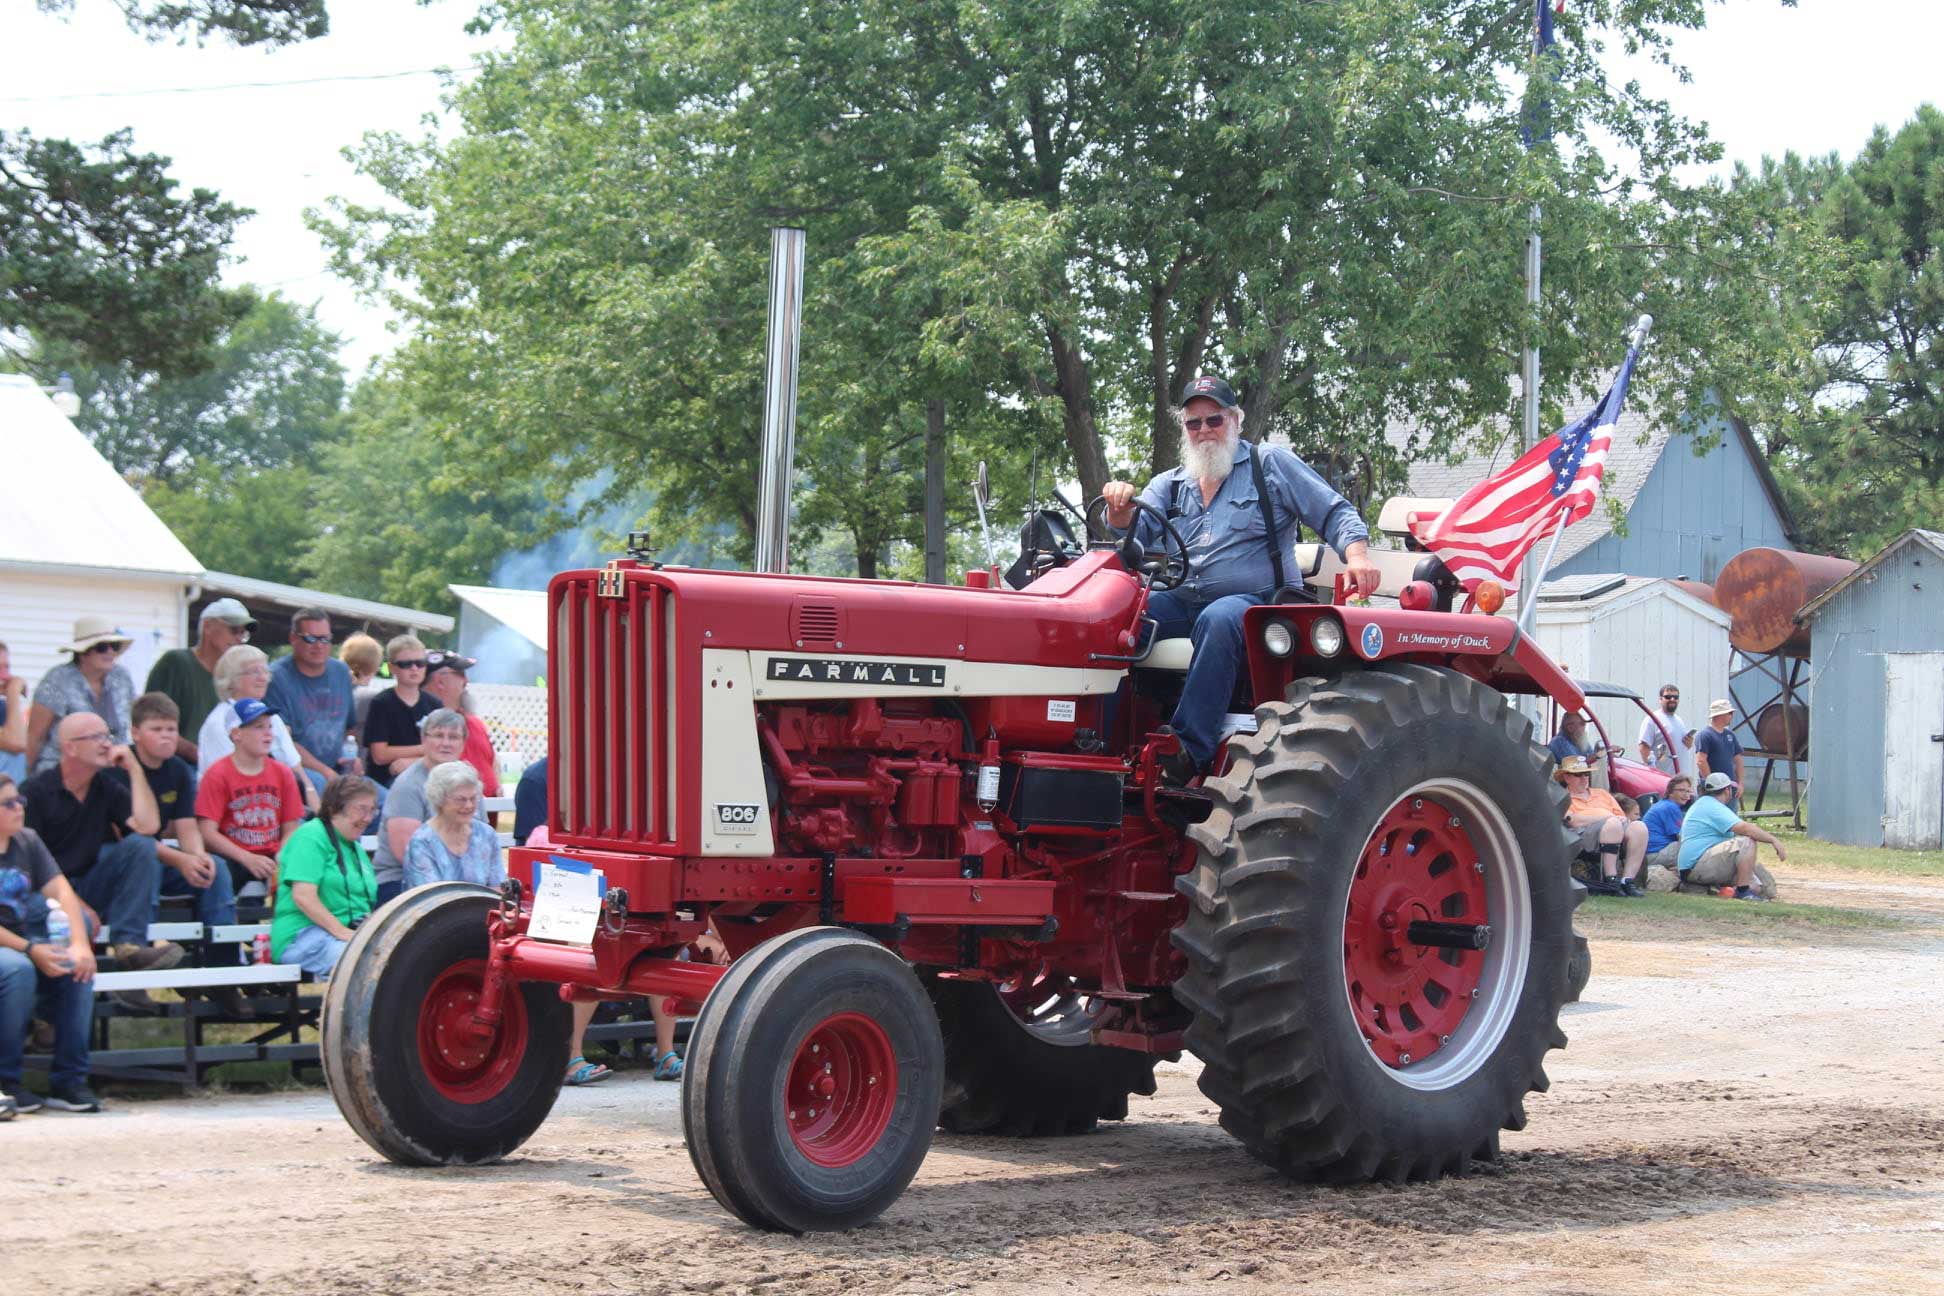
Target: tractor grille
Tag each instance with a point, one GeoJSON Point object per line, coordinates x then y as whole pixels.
{"type": "Point", "coordinates": [815, 623]}
{"type": "Point", "coordinates": [613, 729]}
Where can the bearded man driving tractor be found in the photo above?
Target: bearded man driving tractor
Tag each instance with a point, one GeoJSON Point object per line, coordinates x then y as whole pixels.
{"type": "Point", "coordinates": [1236, 506]}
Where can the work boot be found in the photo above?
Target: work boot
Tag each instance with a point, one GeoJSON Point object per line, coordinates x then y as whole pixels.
{"type": "Point", "coordinates": [159, 957]}
{"type": "Point", "coordinates": [231, 1002]}
{"type": "Point", "coordinates": [137, 1002]}
{"type": "Point", "coordinates": [1178, 768]}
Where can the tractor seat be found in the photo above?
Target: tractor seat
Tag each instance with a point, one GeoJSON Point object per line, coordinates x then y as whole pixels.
{"type": "Point", "coordinates": [1169, 654]}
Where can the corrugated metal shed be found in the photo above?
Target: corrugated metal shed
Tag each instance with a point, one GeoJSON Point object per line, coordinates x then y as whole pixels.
{"type": "Point", "coordinates": [1866, 733]}
{"type": "Point", "coordinates": [1639, 632]}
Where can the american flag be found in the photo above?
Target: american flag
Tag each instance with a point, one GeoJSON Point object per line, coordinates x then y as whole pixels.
{"type": "Point", "coordinates": [1488, 529]}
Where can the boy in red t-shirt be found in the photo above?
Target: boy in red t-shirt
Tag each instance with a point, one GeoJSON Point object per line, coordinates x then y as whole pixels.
{"type": "Point", "coordinates": [247, 803]}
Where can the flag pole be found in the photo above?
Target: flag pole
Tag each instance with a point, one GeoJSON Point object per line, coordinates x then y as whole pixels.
{"type": "Point", "coordinates": [1529, 576]}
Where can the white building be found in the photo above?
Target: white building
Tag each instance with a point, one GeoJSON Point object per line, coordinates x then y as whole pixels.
{"type": "Point", "coordinates": [76, 540]}
{"type": "Point", "coordinates": [1640, 632]}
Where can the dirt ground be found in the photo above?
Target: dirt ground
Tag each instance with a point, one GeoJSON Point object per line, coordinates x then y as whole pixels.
{"type": "Point", "coordinates": [1731, 1116]}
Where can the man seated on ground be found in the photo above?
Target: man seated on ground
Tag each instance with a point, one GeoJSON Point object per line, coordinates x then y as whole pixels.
{"type": "Point", "coordinates": [249, 803]}
{"type": "Point", "coordinates": [55, 976]}
{"type": "Point", "coordinates": [98, 828]}
{"type": "Point", "coordinates": [1663, 820]}
{"type": "Point", "coordinates": [1717, 845]}
{"type": "Point", "coordinates": [186, 869]}
{"type": "Point", "coordinates": [1603, 826]}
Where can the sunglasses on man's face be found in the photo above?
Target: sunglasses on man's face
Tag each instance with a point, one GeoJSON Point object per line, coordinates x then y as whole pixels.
{"type": "Point", "coordinates": [107, 649]}
{"type": "Point", "coordinates": [313, 639]}
{"type": "Point", "coordinates": [1213, 421]}
{"type": "Point", "coordinates": [416, 663]}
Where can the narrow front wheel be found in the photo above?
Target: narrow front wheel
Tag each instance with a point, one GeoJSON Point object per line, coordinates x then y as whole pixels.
{"type": "Point", "coordinates": [812, 1082]}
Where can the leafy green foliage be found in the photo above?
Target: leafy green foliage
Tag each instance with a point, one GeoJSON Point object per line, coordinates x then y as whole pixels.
{"type": "Point", "coordinates": [252, 522]}
{"type": "Point", "coordinates": [1859, 446]}
{"type": "Point", "coordinates": [392, 520]}
{"type": "Point", "coordinates": [243, 22]}
{"type": "Point", "coordinates": [97, 251]}
{"type": "Point", "coordinates": [1047, 214]}
{"type": "Point", "coordinates": [273, 389]}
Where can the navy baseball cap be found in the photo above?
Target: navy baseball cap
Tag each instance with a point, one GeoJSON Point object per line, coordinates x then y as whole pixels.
{"type": "Point", "coordinates": [1211, 387]}
{"type": "Point", "coordinates": [249, 711]}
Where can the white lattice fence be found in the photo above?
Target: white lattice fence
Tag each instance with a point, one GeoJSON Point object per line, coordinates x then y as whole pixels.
{"type": "Point", "coordinates": [515, 716]}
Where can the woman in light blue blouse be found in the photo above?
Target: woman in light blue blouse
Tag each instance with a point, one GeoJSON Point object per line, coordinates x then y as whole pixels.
{"type": "Point", "coordinates": [453, 846]}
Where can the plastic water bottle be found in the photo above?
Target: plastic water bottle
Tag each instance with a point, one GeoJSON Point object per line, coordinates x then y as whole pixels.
{"type": "Point", "coordinates": [59, 930]}
{"type": "Point", "coordinates": [347, 754]}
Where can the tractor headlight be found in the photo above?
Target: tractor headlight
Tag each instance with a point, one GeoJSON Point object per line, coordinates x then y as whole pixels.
{"type": "Point", "coordinates": [1279, 638]}
{"type": "Point", "coordinates": [1326, 636]}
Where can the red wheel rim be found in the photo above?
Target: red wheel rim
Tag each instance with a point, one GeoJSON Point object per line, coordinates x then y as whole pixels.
{"type": "Point", "coordinates": [462, 1062]}
{"type": "Point", "coordinates": [842, 1086]}
{"type": "Point", "coordinates": [1419, 864]}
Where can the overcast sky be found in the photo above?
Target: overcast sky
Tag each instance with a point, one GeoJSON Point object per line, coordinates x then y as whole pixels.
{"type": "Point", "coordinates": [1765, 78]}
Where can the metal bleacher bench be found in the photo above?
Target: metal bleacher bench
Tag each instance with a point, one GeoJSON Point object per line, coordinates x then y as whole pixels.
{"type": "Point", "coordinates": [275, 996]}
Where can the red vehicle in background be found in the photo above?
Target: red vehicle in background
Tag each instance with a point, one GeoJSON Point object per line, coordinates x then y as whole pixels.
{"type": "Point", "coordinates": [1626, 776]}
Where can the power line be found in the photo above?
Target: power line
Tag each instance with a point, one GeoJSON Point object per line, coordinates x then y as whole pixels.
{"type": "Point", "coordinates": [238, 85]}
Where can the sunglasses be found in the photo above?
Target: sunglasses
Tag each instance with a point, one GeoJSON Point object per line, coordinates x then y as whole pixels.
{"type": "Point", "coordinates": [1213, 421]}
{"type": "Point", "coordinates": [313, 639]}
{"type": "Point", "coordinates": [109, 649]}
{"type": "Point", "coordinates": [416, 663]}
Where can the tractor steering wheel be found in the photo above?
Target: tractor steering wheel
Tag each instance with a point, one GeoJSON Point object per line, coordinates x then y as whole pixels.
{"type": "Point", "coordinates": [1163, 568]}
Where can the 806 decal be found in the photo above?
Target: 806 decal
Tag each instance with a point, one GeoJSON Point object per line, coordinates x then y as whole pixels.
{"type": "Point", "coordinates": [736, 816]}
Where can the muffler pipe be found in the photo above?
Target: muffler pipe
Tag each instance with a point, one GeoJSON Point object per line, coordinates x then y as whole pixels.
{"type": "Point", "coordinates": [779, 400]}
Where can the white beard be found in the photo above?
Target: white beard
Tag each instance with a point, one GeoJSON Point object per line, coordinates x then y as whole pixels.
{"type": "Point", "coordinates": [1212, 461]}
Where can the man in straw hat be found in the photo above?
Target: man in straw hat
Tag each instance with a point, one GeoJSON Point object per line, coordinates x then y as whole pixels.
{"type": "Point", "coordinates": [1601, 824]}
{"type": "Point", "coordinates": [90, 681]}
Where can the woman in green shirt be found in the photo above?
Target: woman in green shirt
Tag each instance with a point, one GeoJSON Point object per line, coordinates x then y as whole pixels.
{"type": "Point", "coordinates": [325, 886]}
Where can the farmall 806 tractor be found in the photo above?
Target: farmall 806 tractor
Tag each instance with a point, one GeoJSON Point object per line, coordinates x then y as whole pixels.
{"type": "Point", "coordinates": [930, 827]}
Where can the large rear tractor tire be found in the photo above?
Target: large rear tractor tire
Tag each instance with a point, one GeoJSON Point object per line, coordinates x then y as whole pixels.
{"type": "Point", "coordinates": [1372, 824]}
{"type": "Point", "coordinates": [812, 1082]}
{"type": "Point", "coordinates": [399, 1053]}
{"type": "Point", "coordinates": [1024, 1064]}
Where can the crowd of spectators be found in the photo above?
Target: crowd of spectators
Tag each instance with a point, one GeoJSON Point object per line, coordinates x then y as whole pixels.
{"type": "Point", "coordinates": [108, 804]}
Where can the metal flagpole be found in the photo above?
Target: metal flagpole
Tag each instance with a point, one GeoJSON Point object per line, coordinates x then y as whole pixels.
{"type": "Point", "coordinates": [1530, 573]}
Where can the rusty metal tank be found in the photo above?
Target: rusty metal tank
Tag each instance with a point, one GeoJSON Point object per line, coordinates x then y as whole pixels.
{"type": "Point", "coordinates": [1786, 733]}
{"type": "Point", "coordinates": [1699, 589]}
{"type": "Point", "coordinates": [1761, 590]}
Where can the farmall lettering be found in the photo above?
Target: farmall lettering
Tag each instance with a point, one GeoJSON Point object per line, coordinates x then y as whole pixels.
{"type": "Point", "coordinates": [843, 670]}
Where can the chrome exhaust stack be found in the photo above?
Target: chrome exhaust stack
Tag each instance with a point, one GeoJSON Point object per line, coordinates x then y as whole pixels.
{"type": "Point", "coordinates": [779, 400]}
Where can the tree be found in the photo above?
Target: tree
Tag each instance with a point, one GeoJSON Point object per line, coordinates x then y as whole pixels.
{"type": "Point", "coordinates": [245, 22]}
{"type": "Point", "coordinates": [393, 518]}
{"type": "Point", "coordinates": [98, 253]}
{"type": "Point", "coordinates": [273, 390]}
{"type": "Point", "coordinates": [252, 522]}
{"type": "Point", "coordinates": [1859, 446]}
{"type": "Point", "coordinates": [1044, 212]}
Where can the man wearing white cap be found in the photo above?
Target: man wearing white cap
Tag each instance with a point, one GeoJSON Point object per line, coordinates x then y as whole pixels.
{"type": "Point", "coordinates": [188, 675]}
{"type": "Point", "coordinates": [1717, 845]}
{"type": "Point", "coordinates": [1717, 750]}
{"type": "Point", "coordinates": [89, 681]}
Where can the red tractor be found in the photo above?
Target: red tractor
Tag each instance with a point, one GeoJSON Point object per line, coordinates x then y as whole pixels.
{"type": "Point", "coordinates": [929, 825]}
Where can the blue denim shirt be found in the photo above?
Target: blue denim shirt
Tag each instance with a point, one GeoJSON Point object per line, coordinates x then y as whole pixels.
{"type": "Point", "coordinates": [1227, 538]}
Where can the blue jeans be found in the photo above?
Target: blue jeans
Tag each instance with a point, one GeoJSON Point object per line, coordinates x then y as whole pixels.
{"type": "Point", "coordinates": [314, 950]}
{"type": "Point", "coordinates": [215, 903]}
{"type": "Point", "coordinates": [123, 887]}
{"type": "Point", "coordinates": [66, 1003]}
{"type": "Point", "coordinates": [1216, 629]}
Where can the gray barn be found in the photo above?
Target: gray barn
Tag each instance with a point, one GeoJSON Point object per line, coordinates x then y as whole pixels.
{"type": "Point", "coordinates": [1686, 515]}
{"type": "Point", "coordinates": [1876, 724]}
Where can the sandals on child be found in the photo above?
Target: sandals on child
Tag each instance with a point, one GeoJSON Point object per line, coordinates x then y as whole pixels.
{"type": "Point", "coordinates": [582, 1072]}
{"type": "Point", "coordinates": [669, 1066]}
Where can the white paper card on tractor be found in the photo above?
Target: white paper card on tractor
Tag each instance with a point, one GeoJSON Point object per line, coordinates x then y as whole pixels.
{"type": "Point", "coordinates": [566, 905]}
{"type": "Point", "coordinates": [1060, 709]}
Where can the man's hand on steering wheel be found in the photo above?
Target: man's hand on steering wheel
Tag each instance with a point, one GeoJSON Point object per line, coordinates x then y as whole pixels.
{"type": "Point", "coordinates": [1164, 568]}
{"type": "Point", "coordinates": [1120, 503]}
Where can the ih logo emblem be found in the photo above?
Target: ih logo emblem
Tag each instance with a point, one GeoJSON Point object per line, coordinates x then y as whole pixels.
{"type": "Point", "coordinates": [612, 583]}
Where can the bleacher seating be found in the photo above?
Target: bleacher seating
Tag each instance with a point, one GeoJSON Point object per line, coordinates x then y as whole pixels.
{"type": "Point", "coordinates": [218, 958]}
